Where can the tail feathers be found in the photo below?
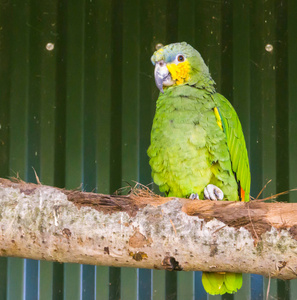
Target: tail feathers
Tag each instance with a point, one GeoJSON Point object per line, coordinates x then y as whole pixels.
{"type": "Point", "coordinates": [221, 283]}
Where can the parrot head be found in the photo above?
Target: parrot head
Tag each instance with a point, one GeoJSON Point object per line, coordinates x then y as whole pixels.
{"type": "Point", "coordinates": [178, 64]}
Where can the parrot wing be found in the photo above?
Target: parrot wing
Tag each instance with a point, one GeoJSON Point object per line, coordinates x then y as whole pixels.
{"type": "Point", "coordinates": [236, 144]}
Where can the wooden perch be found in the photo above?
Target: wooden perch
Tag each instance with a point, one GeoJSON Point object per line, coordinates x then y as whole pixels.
{"type": "Point", "coordinates": [42, 222]}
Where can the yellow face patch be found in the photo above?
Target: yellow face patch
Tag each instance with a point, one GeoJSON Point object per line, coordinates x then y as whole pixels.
{"type": "Point", "coordinates": [179, 72]}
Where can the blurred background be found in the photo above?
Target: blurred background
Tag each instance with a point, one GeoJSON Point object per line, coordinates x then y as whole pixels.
{"type": "Point", "coordinates": [77, 99]}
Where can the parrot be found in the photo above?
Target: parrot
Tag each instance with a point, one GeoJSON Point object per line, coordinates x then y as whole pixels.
{"type": "Point", "coordinates": [197, 148]}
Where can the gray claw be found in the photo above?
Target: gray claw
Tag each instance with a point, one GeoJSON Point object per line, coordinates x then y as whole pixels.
{"type": "Point", "coordinates": [212, 192]}
{"type": "Point", "coordinates": [194, 196]}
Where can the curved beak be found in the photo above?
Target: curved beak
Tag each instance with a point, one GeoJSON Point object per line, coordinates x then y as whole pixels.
{"type": "Point", "coordinates": [162, 76]}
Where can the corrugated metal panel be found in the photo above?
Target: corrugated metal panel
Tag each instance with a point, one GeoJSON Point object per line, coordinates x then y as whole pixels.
{"type": "Point", "coordinates": [77, 99]}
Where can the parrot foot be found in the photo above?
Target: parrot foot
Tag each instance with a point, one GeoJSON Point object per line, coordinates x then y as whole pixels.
{"type": "Point", "coordinates": [194, 196]}
{"type": "Point", "coordinates": [212, 192]}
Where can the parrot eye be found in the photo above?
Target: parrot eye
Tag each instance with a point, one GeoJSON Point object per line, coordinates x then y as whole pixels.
{"type": "Point", "coordinates": [180, 58]}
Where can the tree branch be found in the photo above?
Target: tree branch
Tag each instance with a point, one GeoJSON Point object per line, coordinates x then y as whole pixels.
{"type": "Point", "coordinates": [42, 222]}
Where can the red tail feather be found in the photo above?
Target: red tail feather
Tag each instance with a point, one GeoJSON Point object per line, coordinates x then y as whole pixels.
{"type": "Point", "coordinates": [242, 194]}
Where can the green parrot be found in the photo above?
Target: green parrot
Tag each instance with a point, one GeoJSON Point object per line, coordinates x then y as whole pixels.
{"type": "Point", "coordinates": [197, 145]}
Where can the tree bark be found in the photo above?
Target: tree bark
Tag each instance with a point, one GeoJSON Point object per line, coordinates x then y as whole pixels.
{"type": "Point", "coordinates": [42, 222]}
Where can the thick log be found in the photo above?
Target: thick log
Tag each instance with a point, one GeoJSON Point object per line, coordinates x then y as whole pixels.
{"type": "Point", "coordinates": [42, 222]}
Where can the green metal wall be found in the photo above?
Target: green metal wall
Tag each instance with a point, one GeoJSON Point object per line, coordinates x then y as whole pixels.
{"type": "Point", "coordinates": [77, 98]}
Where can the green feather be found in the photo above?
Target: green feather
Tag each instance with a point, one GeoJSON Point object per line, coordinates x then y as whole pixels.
{"type": "Point", "coordinates": [219, 284]}
{"type": "Point", "coordinates": [235, 142]}
{"type": "Point", "coordinates": [233, 282]}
